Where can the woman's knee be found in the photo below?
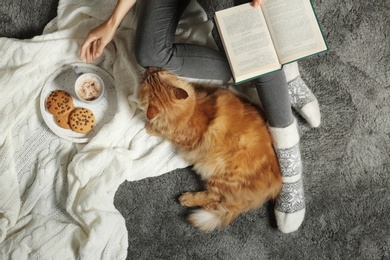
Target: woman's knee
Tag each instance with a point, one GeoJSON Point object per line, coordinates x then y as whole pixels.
{"type": "Point", "coordinates": [148, 57]}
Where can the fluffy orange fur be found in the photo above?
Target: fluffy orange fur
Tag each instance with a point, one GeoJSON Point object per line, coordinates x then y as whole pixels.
{"type": "Point", "coordinates": [223, 136]}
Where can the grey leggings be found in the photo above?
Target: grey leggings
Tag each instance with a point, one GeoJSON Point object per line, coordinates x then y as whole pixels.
{"type": "Point", "coordinates": [154, 46]}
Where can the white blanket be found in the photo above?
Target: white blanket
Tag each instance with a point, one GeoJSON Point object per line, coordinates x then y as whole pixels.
{"type": "Point", "coordinates": [56, 197]}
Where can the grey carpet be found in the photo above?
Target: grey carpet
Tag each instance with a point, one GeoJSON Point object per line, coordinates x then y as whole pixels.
{"type": "Point", "coordinates": [346, 160]}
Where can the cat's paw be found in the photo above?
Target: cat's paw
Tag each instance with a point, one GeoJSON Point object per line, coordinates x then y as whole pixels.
{"type": "Point", "coordinates": [212, 206]}
{"type": "Point", "coordinates": [187, 199]}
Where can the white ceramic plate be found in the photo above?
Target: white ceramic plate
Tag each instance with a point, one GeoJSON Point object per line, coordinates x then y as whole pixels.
{"type": "Point", "coordinates": [64, 79]}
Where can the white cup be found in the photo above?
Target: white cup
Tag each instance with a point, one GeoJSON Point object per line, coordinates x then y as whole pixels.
{"type": "Point", "coordinates": [89, 88]}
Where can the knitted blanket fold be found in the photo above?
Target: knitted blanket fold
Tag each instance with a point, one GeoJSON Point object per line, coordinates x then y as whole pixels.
{"type": "Point", "coordinates": [56, 197]}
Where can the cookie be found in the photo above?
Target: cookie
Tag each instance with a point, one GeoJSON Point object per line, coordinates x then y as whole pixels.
{"type": "Point", "coordinates": [59, 103]}
{"type": "Point", "coordinates": [81, 120]}
{"type": "Point", "coordinates": [63, 121]}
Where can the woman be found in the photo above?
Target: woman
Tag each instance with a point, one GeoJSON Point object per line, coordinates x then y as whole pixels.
{"type": "Point", "coordinates": [155, 47]}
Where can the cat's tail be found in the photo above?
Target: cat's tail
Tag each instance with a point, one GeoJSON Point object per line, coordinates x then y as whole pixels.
{"type": "Point", "coordinates": [207, 219]}
{"type": "Point", "coordinates": [219, 214]}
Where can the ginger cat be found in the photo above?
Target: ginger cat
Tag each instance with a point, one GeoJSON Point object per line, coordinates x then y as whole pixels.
{"type": "Point", "coordinates": [224, 137]}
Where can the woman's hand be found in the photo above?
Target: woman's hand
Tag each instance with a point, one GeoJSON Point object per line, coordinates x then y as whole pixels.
{"type": "Point", "coordinates": [96, 41]}
{"type": "Point", "coordinates": [100, 36]}
{"type": "Point", "coordinates": [256, 3]}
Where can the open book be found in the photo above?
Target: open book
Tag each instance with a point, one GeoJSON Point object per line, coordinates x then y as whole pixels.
{"type": "Point", "coordinates": [258, 41]}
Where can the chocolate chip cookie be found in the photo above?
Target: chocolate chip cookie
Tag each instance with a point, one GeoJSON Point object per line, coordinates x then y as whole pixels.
{"type": "Point", "coordinates": [63, 121]}
{"type": "Point", "coordinates": [81, 120]}
{"type": "Point", "coordinates": [59, 103]}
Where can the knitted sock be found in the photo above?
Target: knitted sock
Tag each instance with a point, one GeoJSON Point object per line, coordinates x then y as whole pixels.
{"type": "Point", "coordinates": [301, 97]}
{"type": "Point", "coordinates": [290, 205]}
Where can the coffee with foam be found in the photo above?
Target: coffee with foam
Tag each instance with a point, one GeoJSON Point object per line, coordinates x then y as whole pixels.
{"type": "Point", "coordinates": [89, 87]}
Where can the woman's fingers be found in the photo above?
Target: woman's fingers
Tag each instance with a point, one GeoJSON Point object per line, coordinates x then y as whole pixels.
{"type": "Point", "coordinates": [88, 48]}
{"type": "Point", "coordinates": [100, 48]}
{"type": "Point", "coordinates": [95, 42]}
{"type": "Point", "coordinates": [256, 3]}
{"type": "Point", "coordinates": [93, 49]}
{"type": "Point", "coordinates": [85, 47]}
{"type": "Point", "coordinates": [88, 54]}
{"type": "Point", "coordinates": [84, 53]}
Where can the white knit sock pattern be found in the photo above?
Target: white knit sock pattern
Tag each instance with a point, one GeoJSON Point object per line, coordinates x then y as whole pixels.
{"type": "Point", "coordinates": [301, 97]}
{"type": "Point", "coordinates": [291, 198]}
{"type": "Point", "coordinates": [304, 102]}
{"type": "Point", "coordinates": [290, 205]}
{"type": "Point", "coordinates": [300, 94]}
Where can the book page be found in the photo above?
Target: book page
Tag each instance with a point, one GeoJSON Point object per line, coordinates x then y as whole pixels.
{"type": "Point", "coordinates": [294, 28]}
{"type": "Point", "coordinates": [247, 41]}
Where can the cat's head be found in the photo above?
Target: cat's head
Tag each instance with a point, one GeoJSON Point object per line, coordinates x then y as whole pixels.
{"type": "Point", "coordinates": [164, 95]}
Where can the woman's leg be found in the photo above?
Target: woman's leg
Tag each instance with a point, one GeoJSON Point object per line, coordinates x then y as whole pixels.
{"type": "Point", "coordinates": [274, 96]}
{"type": "Point", "coordinates": [155, 47]}
{"type": "Point", "coordinates": [275, 99]}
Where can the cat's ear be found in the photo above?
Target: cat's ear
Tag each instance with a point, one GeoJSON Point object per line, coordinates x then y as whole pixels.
{"type": "Point", "coordinates": [180, 93]}
{"type": "Point", "coordinates": [151, 112]}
